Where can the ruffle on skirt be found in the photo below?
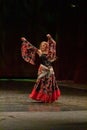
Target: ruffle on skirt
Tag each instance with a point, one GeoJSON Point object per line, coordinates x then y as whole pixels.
{"type": "Point", "coordinates": [46, 98]}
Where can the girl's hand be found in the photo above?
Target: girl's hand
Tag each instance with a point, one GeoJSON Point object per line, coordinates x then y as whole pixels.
{"type": "Point", "coordinates": [48, 36]}
{"type": "Point", "coordinates": [23, 39]}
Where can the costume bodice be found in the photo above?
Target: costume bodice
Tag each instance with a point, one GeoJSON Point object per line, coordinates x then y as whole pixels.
{"type": "Point", "coordinates": [44, 60]}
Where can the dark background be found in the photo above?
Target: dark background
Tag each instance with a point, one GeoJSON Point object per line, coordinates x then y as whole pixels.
{"type": "Point", "coordinates": [65, 20]}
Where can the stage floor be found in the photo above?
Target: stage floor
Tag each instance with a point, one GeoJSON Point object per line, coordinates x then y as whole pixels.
{"type": "Point", "coordinates": [18, 112]}
{"type": "Point", "coordinates": [14, 97]}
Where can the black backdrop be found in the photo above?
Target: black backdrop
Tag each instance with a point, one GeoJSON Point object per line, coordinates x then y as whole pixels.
{"type": "Point", "coordinates": [63, 19]}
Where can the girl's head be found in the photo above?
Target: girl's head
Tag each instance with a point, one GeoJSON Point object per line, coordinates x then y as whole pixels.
{"type": "Point", "coordinates": [44, 46]}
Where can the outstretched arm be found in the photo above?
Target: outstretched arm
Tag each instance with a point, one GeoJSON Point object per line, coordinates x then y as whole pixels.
{"type": "Point", "coordinates": [38, 51]}
{"type": "Point", "coordinates": [28, 51]}
{"type": "Point", "coordinates": [52, 48]}
{"type": "Point", "coordinates": [24, 40]}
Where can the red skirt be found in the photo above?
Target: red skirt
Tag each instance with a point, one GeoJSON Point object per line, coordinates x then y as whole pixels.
{"type": "Point", "coordinates": [45, 89]}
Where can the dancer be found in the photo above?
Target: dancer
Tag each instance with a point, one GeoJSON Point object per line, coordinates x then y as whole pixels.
{"type": "Point", "coordinates": [46, 88]}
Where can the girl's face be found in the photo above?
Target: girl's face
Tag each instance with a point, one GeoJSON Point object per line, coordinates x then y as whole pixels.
{"type": "Point", "coordinates": [44, 46]}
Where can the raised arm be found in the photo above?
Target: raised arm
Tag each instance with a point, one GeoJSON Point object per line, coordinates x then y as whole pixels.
{"type": "Point", "coordinates": [24, 40]}
{"type": "Point", "coordinates": [28, 51]}
{"type": "Point", "coordinates": [50, 39]}
{"type": "Point", "coordinates": [52, 48]}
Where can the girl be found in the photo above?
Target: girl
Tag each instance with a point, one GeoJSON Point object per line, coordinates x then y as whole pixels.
{"type": "Point", "coordinates": [46, 88]}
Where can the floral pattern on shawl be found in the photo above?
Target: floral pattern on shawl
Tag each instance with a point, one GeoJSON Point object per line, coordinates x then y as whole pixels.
{"type": "Point", "coordinates": [52, 49]}
{"type": "Point", "coordinates": [28, 52]}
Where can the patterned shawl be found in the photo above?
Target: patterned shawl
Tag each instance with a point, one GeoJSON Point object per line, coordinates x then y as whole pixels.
{"type": "Point", "coordinates": [52, 49]}
{"type": "Point", "coordinates": [28, 51]}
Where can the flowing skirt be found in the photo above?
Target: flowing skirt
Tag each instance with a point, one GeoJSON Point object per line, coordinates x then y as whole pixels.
{"type": "Point", "coordinates": [46, 88]}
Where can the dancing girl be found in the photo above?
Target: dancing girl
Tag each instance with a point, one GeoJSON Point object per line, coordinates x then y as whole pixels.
{"type": "Point", "coordinates": [46, 88]}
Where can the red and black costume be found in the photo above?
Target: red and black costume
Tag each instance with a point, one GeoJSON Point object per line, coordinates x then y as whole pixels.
{"type": "Point", "coordinates": [46, 88]}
